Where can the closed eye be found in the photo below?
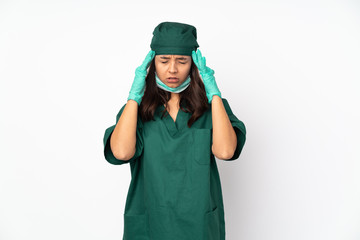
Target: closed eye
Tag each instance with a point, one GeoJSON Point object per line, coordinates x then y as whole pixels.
{"type": "Point", "coordinates": [179, 62]}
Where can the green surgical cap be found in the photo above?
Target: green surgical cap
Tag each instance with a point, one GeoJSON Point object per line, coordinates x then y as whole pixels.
{"type": "Point", "coordinates": [174, 38]}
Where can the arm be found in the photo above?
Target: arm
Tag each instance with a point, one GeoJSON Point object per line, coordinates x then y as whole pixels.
{"type": "Point", "coordinates": [224, 137]}
{"type": "Point", "coordinates": [123, 138]}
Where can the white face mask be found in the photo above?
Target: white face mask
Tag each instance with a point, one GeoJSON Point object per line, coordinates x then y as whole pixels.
{"type": "Point", "coordinates": [178, 89]}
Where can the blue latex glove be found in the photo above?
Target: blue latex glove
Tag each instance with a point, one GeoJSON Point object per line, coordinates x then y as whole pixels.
{"type": "Point", "coordinates": [207, 75]}
{"type": "Point", "coordinates": [138, 86]}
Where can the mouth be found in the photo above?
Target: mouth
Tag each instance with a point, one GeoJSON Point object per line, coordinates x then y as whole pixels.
{"type": "Point", "coordinates": [172, 79]}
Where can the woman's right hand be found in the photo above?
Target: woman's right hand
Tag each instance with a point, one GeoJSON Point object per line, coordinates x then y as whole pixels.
{"type": "Point", "coordinates": [138, 86]}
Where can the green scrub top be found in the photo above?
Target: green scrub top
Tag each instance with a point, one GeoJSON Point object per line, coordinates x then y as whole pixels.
{"type": "Point", "coordinates": [175, 190]}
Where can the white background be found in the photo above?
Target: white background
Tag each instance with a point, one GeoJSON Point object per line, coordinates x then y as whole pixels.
{"type": "Point", "coordinates": [289, 69]}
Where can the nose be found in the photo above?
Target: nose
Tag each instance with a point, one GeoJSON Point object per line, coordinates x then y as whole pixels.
{"type": "Point", "coordinates": [172, 67]}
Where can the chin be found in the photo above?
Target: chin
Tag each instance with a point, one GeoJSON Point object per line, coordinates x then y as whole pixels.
{"type": "Point", "coordinates": [173, 85]}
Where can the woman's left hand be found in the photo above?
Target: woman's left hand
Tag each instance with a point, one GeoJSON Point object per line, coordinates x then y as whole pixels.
{"type": "Point", "coordinates": [207, 75]}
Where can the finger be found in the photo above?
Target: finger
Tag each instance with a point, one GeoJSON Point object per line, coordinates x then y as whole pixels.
{"type": "Point", "coordinates": [193, 54]}
{"type": "Point", "coordinates": [200, 54]}
{"type": "Point", "coordinates": [202, 59]}
{"type": "Point", "coordinates": [196, 59]}
{"type": "Point", "coordinates": [150, 55]}
{"type": "Point", "coordinates": [199, 59]}
{"type": "Point", "coordinates": [148, 59]}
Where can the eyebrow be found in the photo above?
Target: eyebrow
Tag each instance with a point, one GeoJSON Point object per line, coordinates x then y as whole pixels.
{"type": "Point", "coordinates": [180, 58]}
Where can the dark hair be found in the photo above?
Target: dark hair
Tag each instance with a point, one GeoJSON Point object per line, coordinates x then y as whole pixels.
{"type": "Point", "coordinates": [194, 96]}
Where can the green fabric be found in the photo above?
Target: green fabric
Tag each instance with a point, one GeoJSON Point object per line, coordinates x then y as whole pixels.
{"type": "Point", "coordinates": [174, 38]}
{"type": "Point", "coordinates": [175, 189]}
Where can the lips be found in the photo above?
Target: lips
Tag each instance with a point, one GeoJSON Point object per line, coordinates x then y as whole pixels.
{"type": "Point", "coordinates": [172, 79]}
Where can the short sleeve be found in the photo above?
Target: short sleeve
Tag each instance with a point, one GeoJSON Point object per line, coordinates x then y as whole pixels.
{"type": "Point", "coordinates": [239, 129]}
{"type": "Point", "coordinates": [109, 156]}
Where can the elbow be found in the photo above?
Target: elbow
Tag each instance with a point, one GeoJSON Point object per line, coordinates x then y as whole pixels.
{"type": "Point", "coordinates": [224, 155]}
{"type": "Point", "coordinates": [226, 151]}
{"type": "Point", "coordinates": [120, 151]}
{"type": "Point", "coordinates": [124, 155]}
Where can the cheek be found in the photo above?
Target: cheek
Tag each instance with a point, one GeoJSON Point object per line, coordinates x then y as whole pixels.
{"type": "Point", "coordinates": [156, 65]}
{"type": "Point", "coordinates": [160, 72]}
{"type": "Point", "coordinates": [186, 69]}
{"type": "Point", "coordinates": [158, 68]}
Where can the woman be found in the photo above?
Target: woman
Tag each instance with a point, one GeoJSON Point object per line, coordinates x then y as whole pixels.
{"type": "Point", "coordinates": [170, 130]}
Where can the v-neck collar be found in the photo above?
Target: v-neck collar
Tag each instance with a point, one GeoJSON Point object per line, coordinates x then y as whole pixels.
{"type": "Point", "coordinates": [173, 126]}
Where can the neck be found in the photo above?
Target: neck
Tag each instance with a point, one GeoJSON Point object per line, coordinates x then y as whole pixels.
{"type": "Point", "coordinates": [175, 97]}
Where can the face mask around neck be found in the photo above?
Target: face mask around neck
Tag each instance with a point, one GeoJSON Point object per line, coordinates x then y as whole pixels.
{"type": "Point", "coordinates": [178, 89]}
